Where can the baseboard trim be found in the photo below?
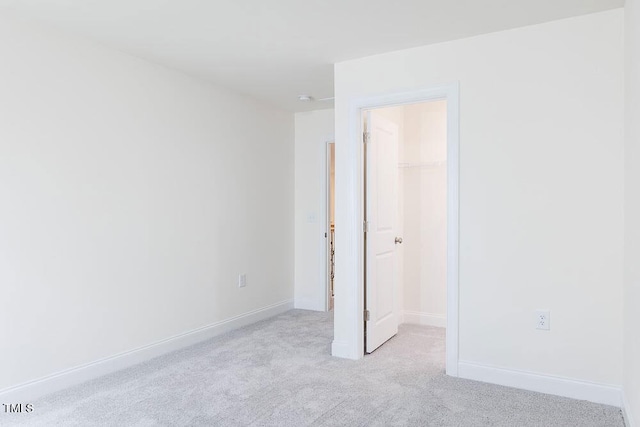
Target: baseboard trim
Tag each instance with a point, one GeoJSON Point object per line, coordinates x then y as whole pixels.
{"type": "Point", "coordinates": [626, 412]}
{"type": "Point", "coordinates": [422, 318]}
{"type": "Point", "coordinates": [559, 386]}
{"type": "Point", "coordinates": [308, 304]}
{"type": "Point", "coordinates": [29, 391]}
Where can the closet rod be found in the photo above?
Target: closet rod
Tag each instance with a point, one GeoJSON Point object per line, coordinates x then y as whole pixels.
{"type": "Point", "coordinates": [422, 165]}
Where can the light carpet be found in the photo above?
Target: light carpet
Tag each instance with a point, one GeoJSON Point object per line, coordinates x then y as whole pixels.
{"type": "Point", "coordinates": [279, 372]}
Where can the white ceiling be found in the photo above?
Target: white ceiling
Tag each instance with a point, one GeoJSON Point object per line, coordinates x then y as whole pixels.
{"type": "Point", "coordinates": [275, 50]}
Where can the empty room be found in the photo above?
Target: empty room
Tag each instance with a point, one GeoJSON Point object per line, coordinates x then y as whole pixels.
{"type": "Point", "coordinates": [411, 213]}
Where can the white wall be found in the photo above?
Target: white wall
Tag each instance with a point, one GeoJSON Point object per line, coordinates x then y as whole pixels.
{"type": "Point", "coordinates": [541, 192]}
{"type": "Point", "coordinates": [312, 132]}
{"type": "Point", "coordinates": [424, 210]}
{"type": "Point", "coordinates": [632, 212]}
{"type": "Point", "coordinates": [131, 197]}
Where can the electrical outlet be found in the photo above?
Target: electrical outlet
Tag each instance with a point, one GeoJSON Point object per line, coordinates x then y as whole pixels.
{"type": "Point", "coordinates": [242, 280]}
{"type": "Point", "coordinates": [543, 320]}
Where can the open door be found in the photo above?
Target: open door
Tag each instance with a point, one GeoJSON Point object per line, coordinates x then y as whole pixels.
{"type": "Point", "coordinates": [381, 216]}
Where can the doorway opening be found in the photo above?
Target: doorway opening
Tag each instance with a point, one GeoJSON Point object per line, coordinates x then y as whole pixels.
{"type": "Point", "coordinates": [348, 341]}
{"type": "Point", "coordinates": [331, 223]}
{"type": "Point", "coordinates": [405, 222]}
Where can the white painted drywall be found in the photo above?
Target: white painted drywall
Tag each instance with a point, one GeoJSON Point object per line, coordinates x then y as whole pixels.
{"type": "Point", "coordinates": [632, 212]}
{"type": "Point", "coordinates": [424, 213]}
{"type": "Point", "coordinates": [312, 132]}
{"type": "Point", "coordinates": [541, 191]}
{"type": "Point", "coordinates": [131, 196]}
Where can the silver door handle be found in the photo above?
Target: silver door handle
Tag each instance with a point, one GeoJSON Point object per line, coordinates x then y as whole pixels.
{"type": "Point", "coordinates": [398, 240]}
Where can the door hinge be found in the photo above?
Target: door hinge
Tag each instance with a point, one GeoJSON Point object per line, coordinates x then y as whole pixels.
{"type": "Point", "coordinates": [365, 226]}
{"type": "Point", "coordinates": [366, 136]}
{"type": "Point", "coordinates": [366, 315]}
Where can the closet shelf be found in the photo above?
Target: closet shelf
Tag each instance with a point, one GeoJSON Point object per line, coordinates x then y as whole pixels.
{"type": "Point", "coordinates": [422, 165]}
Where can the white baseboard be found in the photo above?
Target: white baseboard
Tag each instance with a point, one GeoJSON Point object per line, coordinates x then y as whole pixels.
{"type": "Point", "coordinates": [629, 421]}
{"type": "Point", "coordinates": [422, 318]}
{"type": "Point", "coordinates": [308, 304]}
{"type": "Point", "coordinates": [29, 391]}
{"type": "Point", "coordinates": [559, 386]}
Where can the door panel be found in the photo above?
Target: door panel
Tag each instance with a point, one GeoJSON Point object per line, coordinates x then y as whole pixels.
{"type": "Point", "coordinates": [382, 216]}
{"type": "Point", "coordinates": [384, 265]}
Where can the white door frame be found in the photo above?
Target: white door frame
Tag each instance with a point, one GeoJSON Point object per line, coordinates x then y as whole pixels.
{"type": "Point", "coordinates": [450, 93]}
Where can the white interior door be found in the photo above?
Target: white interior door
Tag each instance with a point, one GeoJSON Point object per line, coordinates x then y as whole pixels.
{"type": "Point", "coordinates": [381, 218]}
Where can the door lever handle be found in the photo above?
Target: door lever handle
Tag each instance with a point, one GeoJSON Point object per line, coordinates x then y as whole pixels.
{"type": "Point", "coordinates": [398, 240]}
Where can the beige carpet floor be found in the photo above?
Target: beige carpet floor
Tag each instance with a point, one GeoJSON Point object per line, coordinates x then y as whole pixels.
{"type": "Point", "coordinates": [279, 373]}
